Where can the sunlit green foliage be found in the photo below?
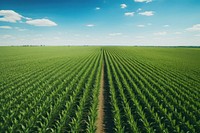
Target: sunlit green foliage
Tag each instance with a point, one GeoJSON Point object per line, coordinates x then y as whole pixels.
{"type": "Point", "coordinates": [153, 89]}
{"type": "Point", "coordinates": [55, 89]}
{"type": "Point", "coordinates": [49, 89]}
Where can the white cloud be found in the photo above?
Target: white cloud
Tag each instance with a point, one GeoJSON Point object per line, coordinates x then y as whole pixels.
{"type": "Point", "coordinates": [90, 25]}
{"type": "Point", "coordinates": [13, 17]}
{"type": "Point", "coordinates": [129, 14]}
{"type": "Point", "coordinates": [177, 33]}
{"type": "Point", "coordinates": [195, 27]}
{"type": "Point", "coordinates": [27, 18]}
{"type": "Point", "coordinates": [147, 13]}
{"type": "Point", "coordinates": [7, 37]}
{"type": "Point", "coordinates": [97, 8]}
{"type": "Point", "coordinates": [149, 24]}
{"type": "Point", "coordinates": [147, 1]}
{"type": "Point", "coordinates": [166, 25]}
{"type": "Point", "coordinates": [139, 9]}
{"type": "Point", "coordinates": [41, 22]}
{"type": "Point", "coordinates": [141, 26]}
{"type": "Point", "coordinates": [115, 34]}
{"type": "Point", "coordinates": [10, 16]}
{"type": "Point", "coordinates": [123, 6]}
{"type": "Point", "coordinates": [20, 29]}
{"type": "Point", "coordinates": [160, 33]}
{"type": "Point", "coordinates": [5, 27]}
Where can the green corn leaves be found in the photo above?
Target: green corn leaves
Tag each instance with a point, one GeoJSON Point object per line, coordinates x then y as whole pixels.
{"type": "Point", "coordinates": [56, 89]}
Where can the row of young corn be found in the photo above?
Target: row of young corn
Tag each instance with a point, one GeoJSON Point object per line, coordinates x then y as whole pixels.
{"type": "Point", "coordinates": [64, 96]}
{"type": "Point", "coordinates": [144, 100]}
{"type": "Point", "coordinates": [61, 98]}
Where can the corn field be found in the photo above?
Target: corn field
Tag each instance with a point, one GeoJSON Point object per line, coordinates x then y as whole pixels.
{"type": "Point", "coordinates": [56, 89]}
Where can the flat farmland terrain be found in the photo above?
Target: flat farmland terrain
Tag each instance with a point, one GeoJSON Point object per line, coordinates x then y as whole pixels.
{"type": "Point", "coordinates": [100, 89]}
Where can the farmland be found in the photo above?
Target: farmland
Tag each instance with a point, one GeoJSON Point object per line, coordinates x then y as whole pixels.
{"type": "Point", "coordinates": [56, 89]}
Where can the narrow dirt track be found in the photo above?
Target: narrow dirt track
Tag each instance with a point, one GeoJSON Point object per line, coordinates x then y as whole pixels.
{"type": "Point", "coordinates": [100, 118]}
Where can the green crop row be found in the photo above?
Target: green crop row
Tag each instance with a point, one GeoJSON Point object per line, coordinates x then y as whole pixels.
{"type": "Point", "coordinates": [56, 96]}
{"type": "Point", "coordinates": [56, 89]}
{"type": "Point", "coordinates": [148, 98]}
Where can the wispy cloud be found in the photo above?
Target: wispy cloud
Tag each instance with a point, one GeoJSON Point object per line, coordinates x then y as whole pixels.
{"type": "Point", "coordinates": [41, 22]}
{"type": "Point", "coordinates": [166, 26]}
{"type": "Point", "coordinates": [10, 16]}
{"type": "Point", "coordinates": [147, 1]}
{"type": "Point", "coordinates": [160, 33]}
{"type": "Point", "coordinates": [129, 14]}
{"type": "Point", "coordinates": [5, 27]}
{"type": "Point", "coordinates": [141, 26]}
{"type": "Point", "coordinates": [20, 29]}
{"type": "Point", "coordinates": [90, 25]}
{"type": "Point", "coordinates": [139, 9]}
{"type": "Point", "coordinates": [177, 33]}
{"type": "Point", "coordinates": [123, 6]}
{"type": "Point", "coordinates": [147, 13]}
{"type": "Point", "coordinates": [115, 34]}
{"type": "Point", "coordinates": [97, 8]}
{"type": "Point", "coordinates": [9, 27]}
{"type": "Point", "coordinates": [7, 37]}
{"type": "Point", "coordinates": [195, 27]}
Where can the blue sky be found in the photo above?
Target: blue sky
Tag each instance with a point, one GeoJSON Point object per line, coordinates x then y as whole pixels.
{"type": "Point", "coordinates": [100, 22]}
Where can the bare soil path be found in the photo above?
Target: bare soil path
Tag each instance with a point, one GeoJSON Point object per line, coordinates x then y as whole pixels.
{"type": "Point", "coordinates": [100, 118]}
